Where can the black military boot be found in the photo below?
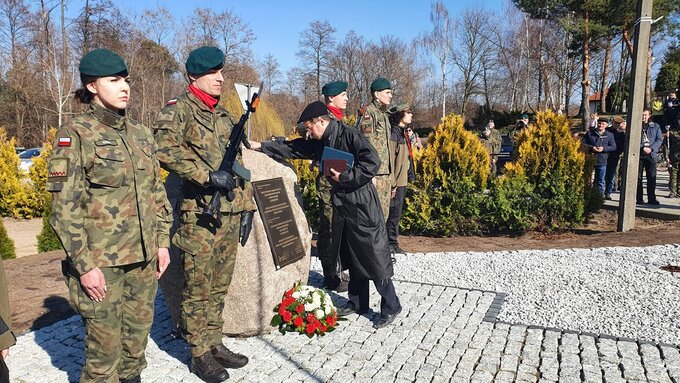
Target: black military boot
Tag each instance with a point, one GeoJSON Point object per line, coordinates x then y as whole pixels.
{"type": "Point", "coordinates": [207, 368]}
{"type": "Point", "coordinates": [132, 379]}
{"type": "Point", "coordinates": [227, 358]}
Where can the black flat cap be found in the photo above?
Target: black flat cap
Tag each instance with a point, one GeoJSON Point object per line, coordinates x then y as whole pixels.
{"type": "Point", "coordinates": [315, 109]}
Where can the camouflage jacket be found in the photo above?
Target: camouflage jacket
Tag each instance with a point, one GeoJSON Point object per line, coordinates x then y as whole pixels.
{"type": "Point", "coordinates": [375, 124]}
{"type": "Point", "coordinates": [109, 206]}
{"type": "Point", "coordinates": [493, 142]}
{"type": "Point", "coordinates": [674, 146]}
{"type": "Point", "coordinates": [191, 142]}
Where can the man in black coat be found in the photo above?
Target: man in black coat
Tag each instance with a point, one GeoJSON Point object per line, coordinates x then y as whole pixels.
{"type": "Point", "coordinates": [650, 142]}
{"type": "Point", "coordinates": [601, 143]}
{"type": "Point", "coordinates": [359, 234]}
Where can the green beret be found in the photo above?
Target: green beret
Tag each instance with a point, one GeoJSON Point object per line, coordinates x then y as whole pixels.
{"type": "Point", "coordinates": [334, 88]}
{"type": "Point", "coordinates": [204, 59]}
{"type": "Point", "coordinates": [379, 84]}
{"type": "Point", "coordinates": [101, 63]}
{"type": "Point", "coordinates": [524, 117]}
{"type": "Point", "coordinates": [399, 108]}
{"type": "Point", "coordinates": [315, 109]}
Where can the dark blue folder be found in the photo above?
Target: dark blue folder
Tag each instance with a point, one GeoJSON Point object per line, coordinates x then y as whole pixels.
{"type": "Point", "coordinates": [335, 154]}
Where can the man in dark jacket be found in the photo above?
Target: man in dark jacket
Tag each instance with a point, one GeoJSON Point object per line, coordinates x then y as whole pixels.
{"type": "Point", "coordinates": [618, 129]}
{"type": "Point", "coordinates": [358, 232]}
{"type": "Point", "coordinates": [650, 142]}
{"type": "Point", "coordinates": [600, 142]}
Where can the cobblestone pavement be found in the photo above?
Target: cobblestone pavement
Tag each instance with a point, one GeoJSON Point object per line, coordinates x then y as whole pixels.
{"type": "Point", "coordinates": [444, 334]}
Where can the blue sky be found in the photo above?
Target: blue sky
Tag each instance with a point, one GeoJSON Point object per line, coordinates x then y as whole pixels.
{"type": "Point", "coordinates": [277, 24]}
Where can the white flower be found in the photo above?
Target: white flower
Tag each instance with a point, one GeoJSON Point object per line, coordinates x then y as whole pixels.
{"type": "Point", "coordinates": [309, 307]}
{"type": "Point", "coordinates": [318, 314]}
{"type": "Point", "coordinates": [296, 295]}
{"type": "Point", "coordinates": [327, 309]}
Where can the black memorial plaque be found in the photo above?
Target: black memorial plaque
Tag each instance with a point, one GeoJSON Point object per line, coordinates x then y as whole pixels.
{"type": "Point", "coordinates": [279, 222]}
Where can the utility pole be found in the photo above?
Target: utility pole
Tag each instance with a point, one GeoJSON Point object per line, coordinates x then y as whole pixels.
{"type": "Point", "coordinates": [636, 103]}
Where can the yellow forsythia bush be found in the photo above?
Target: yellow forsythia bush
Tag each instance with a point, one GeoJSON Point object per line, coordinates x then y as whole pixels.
{"type": "Point", "coordinates": [451, 176]}
{"type": "Point", "coordinates": [17, 198]}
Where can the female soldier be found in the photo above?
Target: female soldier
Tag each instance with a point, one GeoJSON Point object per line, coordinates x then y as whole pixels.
{"type": "Point", "coordinates": [113, 219]}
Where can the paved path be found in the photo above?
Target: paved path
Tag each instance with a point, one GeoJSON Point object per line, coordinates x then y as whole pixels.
{"type": "Point", "coordinates": [669, 208]}
{"type": "Point", "coordinates": [444, 334]}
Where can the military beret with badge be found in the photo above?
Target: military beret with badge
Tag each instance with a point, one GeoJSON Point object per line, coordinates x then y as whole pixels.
{"type": "Point", "coordinates": [102, 63]}
{"type": "Point", "coordinates": [204, 59]}
{"type": "Point", "coordinates": [379, 84]}
{"type": "Point", "coordinates": [334, 88]}
{"type": "Point", "coordinates": [401, 107]}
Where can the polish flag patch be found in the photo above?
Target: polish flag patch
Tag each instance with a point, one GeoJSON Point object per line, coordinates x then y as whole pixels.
{"type": "Point", "coordinates": [172, 102]}
{"type": "Point", "coordinates": [64, 142]}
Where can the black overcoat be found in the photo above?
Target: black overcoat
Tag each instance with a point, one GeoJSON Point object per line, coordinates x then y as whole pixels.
{"type": "Point", "coordinates": [358, 230]}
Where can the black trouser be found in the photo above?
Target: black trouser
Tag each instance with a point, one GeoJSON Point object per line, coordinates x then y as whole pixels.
{"type": "Point", "coordinates": [357, 292]}
{"type": "Point", "coordinates": [396, 207]}
{"type": "Point", "coordinates": [647, 164]}
{"type": "Point", "coordinates": [329, 260]}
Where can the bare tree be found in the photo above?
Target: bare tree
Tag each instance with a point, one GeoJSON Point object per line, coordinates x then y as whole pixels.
{"type": "Point", "coordinates": [316, 45]}
{"type": "Point", "coordinates": [157, 24]}
{"type": "Point", "coordinates": [269, 72]}
{"type": "Point", "coordinates": [440, 42]}
{"type": "Point", "coordinates": [473, 47]}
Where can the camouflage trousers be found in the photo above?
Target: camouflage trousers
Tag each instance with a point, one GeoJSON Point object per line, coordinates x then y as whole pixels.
{"type": "Point", "coordinates": [116, 329]}
{"type": "Point", "coordinates": [384, 189]}
{"type": "Point", "coordinates": [329, 260]}
{"type": "Point", "coordinates": [674, 182]}
{"type": "Point", "coordinates": [209, 255]}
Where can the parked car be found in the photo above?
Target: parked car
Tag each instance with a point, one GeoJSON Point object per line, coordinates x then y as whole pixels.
{"type": "Point", "coordinates": [505, 155]}
{"type": "Point", "coordinates": [27, 156]}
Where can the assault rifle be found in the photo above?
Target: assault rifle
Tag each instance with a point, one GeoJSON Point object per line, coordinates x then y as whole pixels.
{"type": "Point", "coordinates": [229, 164]}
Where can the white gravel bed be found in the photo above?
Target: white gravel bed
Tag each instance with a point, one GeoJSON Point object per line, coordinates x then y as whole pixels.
{"type": "Point", "coordinates": [617, 291]}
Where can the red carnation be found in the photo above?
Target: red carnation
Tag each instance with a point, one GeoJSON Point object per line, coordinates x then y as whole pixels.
{"type": "Point", "coordinates": [310, 318]}
{"type": "Point", "coordinates": [287, 301]}
{"type": "Point", "coordinates": [290, 292]}
{"type": "Point", "coordinates": [287, 315]}
{"type": "Point", "coordinates": [282, 308]}
{"type": "Point", "coordinates": [298, 321]}
{"type": "Point", "coordinates": [331, 320]}
{"type": "Point", "coordinates": [310, 329]}
{"type": "Point", "coordinates": [323, 328]}
{"type": "Point", "coordinates": [300, 308]}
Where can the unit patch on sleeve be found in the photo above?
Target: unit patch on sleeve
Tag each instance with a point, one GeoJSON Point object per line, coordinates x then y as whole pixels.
{"type": "Point", "coordinates": [57, 170]}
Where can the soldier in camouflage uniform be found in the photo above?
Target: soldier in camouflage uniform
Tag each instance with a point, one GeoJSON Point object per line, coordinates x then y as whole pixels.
{"type": "Point", "coordinates": [335, 95]}
{"type": "Point", "coordinates": [674, 163]}
{"type": "Point", "coordinates": [491, 139]}
{"type": "Point", "coordinates": [192, 133]}
{"type": "Point", "coordinates": [113, 219]}
{"type": "Point", "coordinates": [375, 124]}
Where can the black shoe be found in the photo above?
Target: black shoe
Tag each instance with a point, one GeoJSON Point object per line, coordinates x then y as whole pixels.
{"type": "Point", "coordinates": [639, 202]}
{"type": "Point", "coordinates": [398, 250]}
{"type": "Point", "coordinates": [608, 197]}
{"type": "Point", "coordinates": [654, 202]}
{"type": "Point", "coordinates": [349, 309]}
{"type": "Point", "coordinates": [208, 369]}
{"type": "Point", "coordinates": [228, 358]}
{"type": "Point", "coordinates": [337, 284]}
{"type": "Point", "coordinates": [384, 320]}
{"type": "Point", "coordinates": [134, 379]}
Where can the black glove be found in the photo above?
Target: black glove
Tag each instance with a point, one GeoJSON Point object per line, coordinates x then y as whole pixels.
{"type": "Point", "coordinates": [222, 180]}
{"type": "Point", "coordinates": [246, 226]}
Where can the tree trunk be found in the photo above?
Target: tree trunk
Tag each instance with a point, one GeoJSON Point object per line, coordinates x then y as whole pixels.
{"type": "Point", "coordinates": [585, 82]}
{"type": "Point", "coordinates": [605, 76]}
{"type": "Point", "coordinates": [648, 87]}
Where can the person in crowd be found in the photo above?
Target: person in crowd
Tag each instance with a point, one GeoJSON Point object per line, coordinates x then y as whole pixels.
{"type": "Point", "coordinates": [491, 139]}
{"type": "Point", "coordinates": [7, 338]}
{"type": "Point", "coordinates": [359, 231]}
{"type": "Point", "coordinates": [335, 96]}
{"type": "Point", "coordinates": [650, 142]}
{"type": "Point", "coordinates": [111, 214]}
{"type": "Point", "coordinates": [520, 125]}
{"type": "Point", "coordinates": [613, 174]}
{"type": "Point", "coordinates": [674, 162]}
{"type": "Point", "coordinates": [416, 141]}
{"type": "Point", "coordinates": [192, 132]}
{"type": "Point", "coordinates": [401, 156]}
{"type": "Point", "coordinates": [375, 124]}
{"type": "Point", "coordinates": [593, 122]}
{"type": "Point", "coordinates": [671, 112]}
{"type": "Point", "coordinates": [600, 142]}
